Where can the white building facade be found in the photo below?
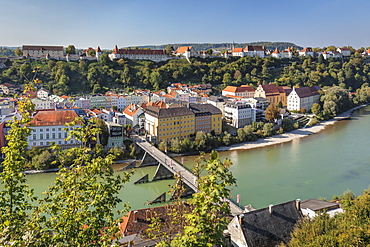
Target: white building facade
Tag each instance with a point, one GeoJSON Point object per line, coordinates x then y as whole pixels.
{"type": "Point", "coordinates": [304, 97]}
{"type": "Point", "coordinates": [238, 114]}
{"type": "Point", "coordinates": [47, 127]}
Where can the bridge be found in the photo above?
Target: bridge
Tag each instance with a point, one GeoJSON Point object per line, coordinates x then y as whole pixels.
{"type": "Point", "coordinates": [168, 167]}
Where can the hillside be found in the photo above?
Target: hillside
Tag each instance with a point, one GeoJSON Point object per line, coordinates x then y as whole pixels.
{"type": "Point", "coordinates": [6, 51]}
{"type": "Point", "coordinates": [224, 46]}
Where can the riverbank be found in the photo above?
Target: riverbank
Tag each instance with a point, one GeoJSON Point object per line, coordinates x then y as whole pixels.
{"type": "Point", "coordinates": [289, 136]}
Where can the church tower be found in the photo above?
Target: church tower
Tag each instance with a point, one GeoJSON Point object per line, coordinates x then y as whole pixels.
{"type": "Point", "coordinates": [98, 53]}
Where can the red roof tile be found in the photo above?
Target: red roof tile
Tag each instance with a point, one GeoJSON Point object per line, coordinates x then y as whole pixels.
{"type": "Point", "coordinates": [131, 110]}
{"type": "Point", "coordinates": [183, 49]}
{"type": "Point", "coordinates": [238, 50]}
{"type": "Point", "coordinates": [52, 118]}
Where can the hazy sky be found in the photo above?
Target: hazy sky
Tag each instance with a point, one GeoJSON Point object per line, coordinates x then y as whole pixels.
{"type": "Point", "coordinates": [154, 22]}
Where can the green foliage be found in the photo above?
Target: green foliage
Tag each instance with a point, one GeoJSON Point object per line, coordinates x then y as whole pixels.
{"type": "Point", "coordinates": [362, 94]}
{"type": "Point", "coordinates": [313, 121]}
{"type": "Point", "coordinates": [316, 108]}
{"type": "Point", "coordinates": [125, 74]}
{"type": "Point", "coordinates": [103, 132]}
{"type": "Point", "coordinates": [164, 232]}
{"type": "Point", "coordinates": [5, 52]}
{"type": "Point", "coordinates": [43, 161]}
{"type": "Point", "coordinates": [335, 101]}
{"type": "Point", "coordinates": [351, 228]}
{"type": "Point", "coordinates": [77, 210]}
{"type": "Point", "coordinates": [267, 129]}
{"type": "Point", "coordinates": [80, 203]}
{"type": "Point", "coordinates": [18, 52]}
{"type": "Point", "coordinates": [204, 225]}
{"type": "Point", "coordinates": [91, 53]}
{"type": "Point", "coordinates": [272, 113]}
{"type": "Point", "coordinates": [287, 124]}
{"type": "Point", "coordinates": [169, 49]}
{"type": "Point", "coordinates": [15, 196]}
{"type": "Point", "coordinates": [71, 49]}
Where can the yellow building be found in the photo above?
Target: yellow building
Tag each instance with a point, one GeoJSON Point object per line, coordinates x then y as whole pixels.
{"type": "Point", "coordinates": [208, 118]}
{"type": "Point", "coordinates": [274, 94]}
{"type": "Point", "coordinates": [166, 124]}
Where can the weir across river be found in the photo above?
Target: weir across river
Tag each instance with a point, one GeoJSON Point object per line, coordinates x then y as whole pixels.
{"type": "Point", "coordinates": [167, 168]}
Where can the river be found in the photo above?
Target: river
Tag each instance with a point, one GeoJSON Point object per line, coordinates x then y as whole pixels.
{"type": "Point", "coordinates": [318, 166]}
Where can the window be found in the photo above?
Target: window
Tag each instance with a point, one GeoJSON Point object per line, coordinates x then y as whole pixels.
{"type": "Point", "coordinates": [41, 143]}
{"type": "Point", "coordinates": [53, 135]}
{"type": "Point", "coordinates": [41, 130]}
{"type": "Point", "coordinates": [47, 136]}
{"type": "Point", "coordinates": [41, 136]}
{"type": "Point", "coordinates": [59, 135]}
{"type": "Point", "coordinates": [34, 136]}
{"type": "Point", "coordinates": [59, 142]}
{"type": "Point", "coordinates": [53, 129]}
{"type": "Point", "coordinates": [47, 129]}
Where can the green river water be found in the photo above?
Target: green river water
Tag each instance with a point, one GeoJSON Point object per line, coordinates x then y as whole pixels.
{"type": "Point", "coordinates": [317, 166]}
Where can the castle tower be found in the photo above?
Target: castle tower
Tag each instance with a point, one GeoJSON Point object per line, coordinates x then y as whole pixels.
{"type": "Point", "coordinates": [98, 53]}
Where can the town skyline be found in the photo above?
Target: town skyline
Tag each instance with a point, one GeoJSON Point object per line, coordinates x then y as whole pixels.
{"type": "Point", "coordinates": [140, 23]}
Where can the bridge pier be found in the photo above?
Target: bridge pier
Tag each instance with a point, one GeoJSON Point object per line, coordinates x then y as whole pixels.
{"type": "Point", "coordinates": [144, 179]}
{"type": "Point", "coordinates": [148, 160]}
{"type": "Point", "coordinates": [162, 173]}
{"type": "Point", "coordinates": [161, 198]}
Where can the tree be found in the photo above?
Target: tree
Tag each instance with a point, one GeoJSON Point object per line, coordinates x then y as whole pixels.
{"type": "Point", "coordinates": [165, 232]}
{"type": "Point", "coordinates": [80, 203]}
{"type": "Point", "coordinates": [335, 101]}
{"type": "Point", "coordinates": [226, 79]}
{"type": "Point", "coordinates": [43, 160]}
{"type": "Point", "coordinates": [18, 52]}
{"type": "Point", "coordinates": [205, 224]}
{"type": "Point", "coordinates": [241, 135]}
{"type": "Point", "coordinates": [71, 49]}
{"type": "Point", "coordinates": [267, 129]}
{"type": "Point", "coordinates": [226, 138]}
{"type": "Point", "coordinates": [350, 228]}
{"type": "Point", "coordinates": [200, 140]}
{"type": "Point", "coordinates": [103, 133]}
{"type": "Point", "coordinates": [169, 49]}
{"type": "Point", "coordinates": [315, 109]}
{"type": "Point", "coordinates": [287, 124]}
{"type": "Point", "coordinates": [209, 52]}
{"type": "Point", "coordinates": [15, 196]}
{"type": "Point", "coordinates": [104, 59]}
{"type": "Point", "coordinates": [91, 53]}
{"type": "Point", "coordinates": [272, 113]}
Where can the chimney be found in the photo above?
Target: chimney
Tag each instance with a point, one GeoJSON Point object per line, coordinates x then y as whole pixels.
{"type": "Point", "coordinates": [298, 204]}
{"type": "Point", "coordinates": [270, 208]}
{"type": "Point", "coordinates": [135, 216]}
{"type": "Point", "coordinates": [147, 214]}
{"type": "Point", "coordinates": [241, 216]}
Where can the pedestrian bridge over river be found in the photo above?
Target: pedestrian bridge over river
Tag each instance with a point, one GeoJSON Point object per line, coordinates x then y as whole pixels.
{"type": "Point", "coordinates": [168, 167]}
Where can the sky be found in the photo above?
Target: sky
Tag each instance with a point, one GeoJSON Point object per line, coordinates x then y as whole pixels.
{"type": "Point", "coordinates": [106, 23]}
